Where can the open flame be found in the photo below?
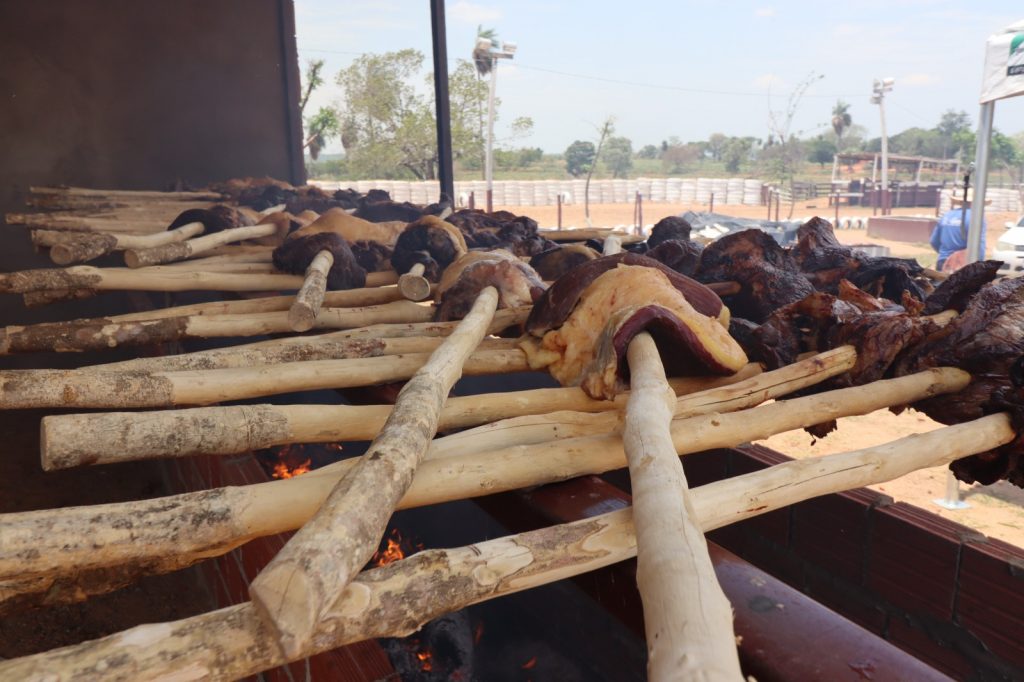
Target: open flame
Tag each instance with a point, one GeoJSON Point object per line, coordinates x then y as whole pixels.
{"type": "Point", "coordinates": [282, 470]}
{"type": "Point", "coordinates": [395, 547]}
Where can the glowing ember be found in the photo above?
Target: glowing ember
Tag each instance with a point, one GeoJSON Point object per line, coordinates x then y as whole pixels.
{"type": "Point", "coordinates": [478, 633]}
{"type": "Point", "coordinates": [529, 664]}
{"type": "Point", "coordinates": [426, 659]}
{"type": "Point", "coordinates": [282, 470]}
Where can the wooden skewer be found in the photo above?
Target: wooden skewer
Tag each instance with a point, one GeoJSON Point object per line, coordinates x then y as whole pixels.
{"type": "Point", "coordinates": [103, 438]}
{"type": "Point", "coordinates": [137, 258]}
{"type": "Point", "coordinates": [144, 536]}
{"type": "Point", "coordinates": [612, 245]}
{"type": "Point", "coordinates": [413, 285]}
{"type": "Point", "coordinates": [234, 642]}
{"type": "Point", "coordinates": [67, 248]}
{"type": "Point", "coordinates": [296, 587]}
{"type": "Point", "coordinates": [304, 310]}
{"type": "Point", "coordinates": [87, 224]}
{"type": "Point", "coordinates": [135, 194]}
{"type": "Point", "coordinates": [23, 389]}
{"type": "Point", "coordinates": [101, 335]}
{"type": "Point", "coordinates": [583, 234]}
{"type": "Point", "coordinates": [85, 277]}
{"type": "Point", "coordinates": [688, 638]}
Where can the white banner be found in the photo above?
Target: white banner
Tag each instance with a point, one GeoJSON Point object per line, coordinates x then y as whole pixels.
{"type": "Point", "coordinates": [1004, 64]}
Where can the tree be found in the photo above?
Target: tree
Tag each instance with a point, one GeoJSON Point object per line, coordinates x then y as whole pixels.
{"type": "Point", "coordinates": [952, 125]}
{"type": "Point", "coordinates": [716, 146]}
{"type": "Point", "coordinates": [678, 157]}
{"type": "Point", "coordinates": [737, 150]}
{"type": "Point", "coordinates": [324, 124]}
{"type": "Point", "coordinates": [618, 156]}
{"type": "Point", "coordinates": [784, 150]}
{"type": "Point", "coordinates": [821, 150]}
{"type": "Point", "coordinates": [606, 129]}
{"type": "Point", "coordinates": [387, 126]}
{"type": "Point", "coordinates": [841, 120]}
{"type": "Point", "coordinates": [579, 157]}
{"type": "Point", "coordinates": [648, 151]}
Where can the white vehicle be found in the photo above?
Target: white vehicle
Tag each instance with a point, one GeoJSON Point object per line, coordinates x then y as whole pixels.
{"type": "Point", "coordinates": [1010, 249]}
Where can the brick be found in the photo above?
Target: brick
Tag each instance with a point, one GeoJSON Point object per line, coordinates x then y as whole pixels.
{"type": "Point", "coordinates": [853, 602]}
{"type": "Point", "coordinates": [990, 603]}
{"type": "Point", "coordinates": [913, 559]}
{"type": "Point", "coordinates": [916, 641]}
{"type": "Point", "coordinates": [831, 532]}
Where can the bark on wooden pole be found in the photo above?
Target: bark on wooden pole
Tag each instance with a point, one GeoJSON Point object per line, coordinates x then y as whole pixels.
{"type": "Point", "coordinates": [145, 537]}
{"type": "Point", "coordinates": [167, 253]}
{"type": "Point", "coordinates": [687, 617]}
{"type": "Point", "coordinates": [294, 590]}
{"type": "Point", "coordinates": [104, 438]}
{"type": "Point", "coordinates": [88, 278]}
{"type": "Point", "coordinates": [102, 335]}
{"type": "Point", "coordinates": [310, 297]}
{"type": "Point", "coordinates": [78, 247]}
{"type": "Point", "coordinates": [397, 599]}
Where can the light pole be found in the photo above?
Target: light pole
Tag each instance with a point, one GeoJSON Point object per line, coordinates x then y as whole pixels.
{"type": "Point", "coordinates": [878, 97]}
{"type": "Point", "coordinates": [494, 51]}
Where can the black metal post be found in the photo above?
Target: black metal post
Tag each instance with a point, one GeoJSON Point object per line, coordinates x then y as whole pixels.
{"type": "Point", "coordinates": [445, 171]}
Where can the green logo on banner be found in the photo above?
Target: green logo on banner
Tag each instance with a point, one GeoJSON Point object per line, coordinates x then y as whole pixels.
{"type": "Point", "coordinates": [1015, 64]}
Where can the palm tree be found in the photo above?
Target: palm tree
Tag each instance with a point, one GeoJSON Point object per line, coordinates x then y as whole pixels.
{"type": "Point", "coordinates": [480, 57]}
{"type": "Point", "coordinates": [841, 120]}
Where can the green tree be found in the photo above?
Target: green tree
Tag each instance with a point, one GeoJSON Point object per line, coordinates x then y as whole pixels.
{"type": "Point", "coordinates": [679, 157]}
{"type": "Point", "coordinates": [737, 150]}
{"type": "Point", "coordinates": [618, 156]}
{"type": "Point", "coordinates": [579, 157]}
{"type": "Point", "coordinates": [841, 120]}
{"type": "Point", "coordinates": [952, 127]}
{"type": "Point", "coordinates": [648, 151]}
{"type": "Point", "coordinates": [716, 146]}
{"type": "Point", "coordinates": [821, 150]}
{"type": "Point", "coordinates": [324, 124]}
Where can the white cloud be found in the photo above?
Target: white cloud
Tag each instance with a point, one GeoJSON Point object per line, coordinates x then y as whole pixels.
{"type": "Point", "coordinates": [472, 13]}
{"type": "Point", "coordinates": [918, 79]}
{"type": "Point", "coordinates": [764, 12]}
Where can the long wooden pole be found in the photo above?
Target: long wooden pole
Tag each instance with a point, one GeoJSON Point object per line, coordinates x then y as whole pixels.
{"type": "Point", "coordinates": [106, 279]}
{"type": "Point", "coordinates": [77, 247]}
{"type": "Point", "coordinates": [687, 617]}
{"type": "Point", "coordinates": [295, 589]}
{"type": "Point", "coordinates": [103, 438]}
{"type": "Point", "coordinates": [144, 537]}
{"type": "Point", "coordinates": [35, 388]}
{"type": "Point", "coordinates": [234, 642]}
{"type": "Point", "coordinates": [137, 258]}
{"type": "Point", "coordinates": [310, 298]}
{"type": "Point", "coordinates": [104, 335]}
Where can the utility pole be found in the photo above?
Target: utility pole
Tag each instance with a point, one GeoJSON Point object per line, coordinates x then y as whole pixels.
{"type": "Point", "coordinates": [505, 50]}
{"type": "Point", "coordinates": [878, 97]}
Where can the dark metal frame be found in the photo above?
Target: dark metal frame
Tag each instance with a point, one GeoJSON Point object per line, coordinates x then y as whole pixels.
{"type": "Point", "coordinates": [445, 171]}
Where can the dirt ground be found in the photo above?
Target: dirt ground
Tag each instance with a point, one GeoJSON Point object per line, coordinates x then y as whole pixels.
{"type": "Point", "coordinates": [996, 510]}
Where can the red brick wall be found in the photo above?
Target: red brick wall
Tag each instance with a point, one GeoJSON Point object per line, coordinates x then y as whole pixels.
{"type": "Point", "coordinates": [943, 592]}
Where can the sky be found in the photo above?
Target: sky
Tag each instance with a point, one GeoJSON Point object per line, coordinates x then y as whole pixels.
{"type": "Point", "coordinates": [688, 68]}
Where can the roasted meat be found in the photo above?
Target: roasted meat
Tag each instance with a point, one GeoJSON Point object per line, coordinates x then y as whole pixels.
{"type": "Point", "coordinates": [214, 219]}
{"type": "Point", "coordinates": [352, 229]}
{"type": "Point", "coordinates": [297, 253]}
{"type": "Point", "coordinates": [500, 229]}
{"type": "Point", "coordinates": [431, 242]}
{"type": "Point", "coordinates": [587, 347]}
{"type": "Point", "coordinates": [768, 275]}
{"type": "Point", "coordinates": [516, 282]}
{"type": "Point", "coordinates": [557, 261]}
{"type": "Point", "coordinates": [670, 228]}
{"type": "Point", "coordinates": [681, 256]}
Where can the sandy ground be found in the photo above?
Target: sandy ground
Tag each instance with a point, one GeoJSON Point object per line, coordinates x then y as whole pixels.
{"type": "Point", "coordinates": [997, 510]}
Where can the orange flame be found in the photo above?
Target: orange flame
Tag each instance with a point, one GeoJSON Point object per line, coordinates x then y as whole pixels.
{"type": "Point", "coordinates": [282, 470]}
{"type": "Point", "coordinates": [426, 659]}
{"type": "Point", "coordinates": [396, 548]}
